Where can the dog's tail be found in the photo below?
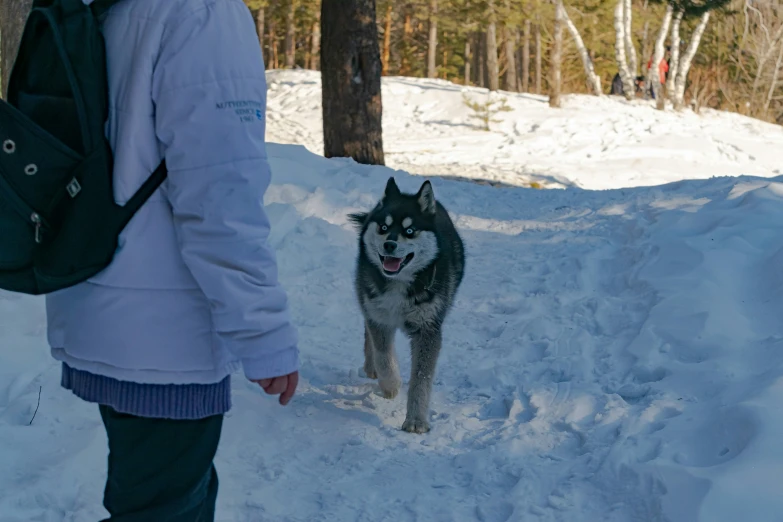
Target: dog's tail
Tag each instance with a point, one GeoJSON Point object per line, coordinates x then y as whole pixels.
{"type": "Point", "coordinates": [358, 219]}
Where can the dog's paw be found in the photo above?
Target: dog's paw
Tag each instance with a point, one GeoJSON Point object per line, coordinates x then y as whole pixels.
{"type": "Point", "coordinates": [370, 373]}
{"type": "Point", "coordinates": [390, 387]}
{"type": "Point", "coordinates": [415, 425]}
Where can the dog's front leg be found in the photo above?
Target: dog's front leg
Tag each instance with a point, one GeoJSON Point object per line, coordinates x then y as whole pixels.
{"type": "Point", "coordinates": [425, 348]}
{"type": "Point", "coordinates": [369, 354]}
{"type": "Point", "coordinates": [384, 359]}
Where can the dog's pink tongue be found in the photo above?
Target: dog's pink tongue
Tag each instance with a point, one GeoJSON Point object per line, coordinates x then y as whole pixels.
{"type": "Point", "coordinates": [392, 264]}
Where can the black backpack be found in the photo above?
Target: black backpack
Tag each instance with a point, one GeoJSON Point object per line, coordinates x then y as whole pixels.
{"type": "Point", "coordinates": [59, 223]}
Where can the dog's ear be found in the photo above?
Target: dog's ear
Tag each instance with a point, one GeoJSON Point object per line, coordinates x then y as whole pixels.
{"type": "Point", "coordinates": [392, 190]}
{"type": "Point", "coordinates": [358, 219]}
{"type": "Point", "coordinates": [426, 198]}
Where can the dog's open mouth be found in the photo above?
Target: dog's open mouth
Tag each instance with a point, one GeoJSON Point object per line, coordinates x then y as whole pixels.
{"type": "Point", "coordinates": [392, 265]}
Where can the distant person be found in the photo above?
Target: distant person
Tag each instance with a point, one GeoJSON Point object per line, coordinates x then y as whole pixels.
{"type": "Point", "coordinates": [618, 89]}
{"type": "Point", "coordinates": [639, 84]}
{"type": "Point", "coordinates": [617, 86]}
{"type": "Point", "coordinates": [192, 294]}
{"type": "Point", "coordinates": [663, 68]}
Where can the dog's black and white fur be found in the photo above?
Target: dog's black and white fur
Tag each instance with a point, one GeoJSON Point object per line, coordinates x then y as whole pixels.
{"type": "Point", "coordinates": [411, 262]}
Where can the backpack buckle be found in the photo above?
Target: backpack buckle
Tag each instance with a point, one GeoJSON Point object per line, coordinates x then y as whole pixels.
{"type": "Point", "coordinates": [73, 188]}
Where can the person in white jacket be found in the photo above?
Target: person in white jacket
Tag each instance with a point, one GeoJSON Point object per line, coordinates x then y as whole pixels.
{"type": "Point", "coordinates": [193, 293]}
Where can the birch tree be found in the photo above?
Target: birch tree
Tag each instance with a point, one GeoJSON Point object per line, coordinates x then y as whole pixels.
{"type": "Point", "coordinates": [593, 80]}
{"type": "Point", "coordinates": [653, 76]}
{"type": "Point", "coordinates": [685, 65]}
{"type": "Point", "coordinates": [557, 56]}
{"type": "Point", "coordinates": [630, 47]}
{"type": "Point", "coordinates": [674, 58]}
{"type": "Point", "coordinates": [774, 83]}
{"type": "Point", "coordinates": [619, 50]}
{"type": "Point", "coordinates": [767, 44]}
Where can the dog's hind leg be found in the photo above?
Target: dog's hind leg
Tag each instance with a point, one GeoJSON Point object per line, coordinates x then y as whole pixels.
{"type": "Point", "coordinates": [384, 359]}
{"type": "Point", "coordinates": [369, 357]}
{"type": "Point", "coordinates": [425, 348]}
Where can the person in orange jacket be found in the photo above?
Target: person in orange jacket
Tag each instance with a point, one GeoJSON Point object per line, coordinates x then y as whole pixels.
{"type": "Point", "coordinates": [663, 66]}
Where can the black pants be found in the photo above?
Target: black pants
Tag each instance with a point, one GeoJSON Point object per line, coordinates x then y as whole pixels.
{"type": "Point", "coordinates": [160, 470]}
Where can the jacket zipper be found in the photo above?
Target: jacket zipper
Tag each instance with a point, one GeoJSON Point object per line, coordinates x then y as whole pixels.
{"type": "Point", "coordinates": [23, 209]}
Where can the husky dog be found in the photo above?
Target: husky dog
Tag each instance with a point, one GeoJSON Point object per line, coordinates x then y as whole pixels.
{"type": "Point", "coordinates": [410, 264]}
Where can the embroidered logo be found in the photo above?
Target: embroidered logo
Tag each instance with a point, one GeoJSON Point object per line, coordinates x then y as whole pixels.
{"type": "Point", "coordinates": [245, 110]}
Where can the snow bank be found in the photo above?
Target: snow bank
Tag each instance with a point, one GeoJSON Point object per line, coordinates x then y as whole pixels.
{"type": "Point", "coordinates": [613, 356]}
{"type": "Point", "coordinates": [593, 143]}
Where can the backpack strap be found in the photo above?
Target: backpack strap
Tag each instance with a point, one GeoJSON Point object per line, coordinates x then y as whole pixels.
{"type": "Point", "coordinates": [145, 191]}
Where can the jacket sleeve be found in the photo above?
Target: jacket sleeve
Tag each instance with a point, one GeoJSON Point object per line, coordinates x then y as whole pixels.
{"type": "Point", "coordinates": [209, 91]}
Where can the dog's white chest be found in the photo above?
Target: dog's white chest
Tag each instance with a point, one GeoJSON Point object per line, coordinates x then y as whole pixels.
{"type": "Point", "coordinates": [394, 308]}
{"type": "Point", "coordinates": [390, 307]}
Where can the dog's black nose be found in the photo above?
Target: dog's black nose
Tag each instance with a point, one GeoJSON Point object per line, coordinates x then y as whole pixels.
{"type": "Point", "coordinates": [389, 246]}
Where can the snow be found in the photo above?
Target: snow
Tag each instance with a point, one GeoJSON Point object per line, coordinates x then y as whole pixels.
{"type": "Point", "coordinates": [592, 143]}
{"type": "Point", "coordinates": [613, 355]}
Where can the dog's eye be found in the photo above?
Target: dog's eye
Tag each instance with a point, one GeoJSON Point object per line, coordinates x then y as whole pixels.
{"type": "Point", "coordinates": [384, 228]}
{"type": "Point", "coordinates": [409, 232]}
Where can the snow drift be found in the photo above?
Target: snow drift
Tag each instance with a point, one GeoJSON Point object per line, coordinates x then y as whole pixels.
{"type": "Point", "coordinates": [593, 143]}
{"type": "Point", "coordinates": [612, 356]}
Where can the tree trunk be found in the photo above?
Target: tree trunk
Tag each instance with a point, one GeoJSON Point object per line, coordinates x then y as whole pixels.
{"type": "Point", "coordinates": [763, 61]}
{"type": "Point", "coordinates": [646, 52]}
{"type": "Point", "coordinates": [468, 58]}
{"type": "Point", "coordinates": [260, 28]}
{"type": "Point", "coordinates": [774, 84]}
{"type": "Point", "coordinates": [481, 62]}
{"type": "Point", "coordinates": [407, 37]}
{"type": "Point", "coordinates": [432, 44]}
{"type": "Point", "coordinates": [492, 50]}
{"type": "Point", "coordinates": [674, 58]}
{"type": "Point", "coordinates": [630, 47]}
{"type": "Point", "coordinates": [444, 64]}
{"type": "Point", "coordinates": [315, 49]}
{"type": "Point", "coordinates": [511, 68]}
{"type": "Point", "coordinates": [593, 80]}
{"type": "Point", "coordinates": [619, 50]}
{"type": "Point", "coordinates": [273, 57]}
{"type": "Point", "coordinates": [685, 65]}
{"type": "Point", "coordinates": [526, 58]}
{"type": "Point", "coordinates": [555, 61]}
{"type": "Point", "coordinates": [351, 80]}
{"type": "Point", "coordinates": [13, 15]}
{"type": "Point", "coordinates": [387, 29]}
{"type": "Point", "coordinates": [484, 66]}
{"type": "Point", "coordinates": [290, 35]}
{"type": "Point", "coordinates": [537, 30]}
{"type": "Point", "coordinates": [653, 76]}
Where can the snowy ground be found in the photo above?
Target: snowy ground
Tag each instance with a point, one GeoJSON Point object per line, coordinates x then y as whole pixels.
{"type": "Point", "coordinates": [614, 356]}
{"type": "Point", "coordinates": [592, 143]}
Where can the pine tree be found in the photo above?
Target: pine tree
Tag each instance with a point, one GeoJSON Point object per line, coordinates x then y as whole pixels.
{"type": "Point", "coordinates": [290, 34]}
{"type": "Point", "coordinates": [351, 81]}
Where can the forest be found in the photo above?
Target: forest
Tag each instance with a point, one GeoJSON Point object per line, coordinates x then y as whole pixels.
{"type": "Point", "coordinates": [732, 51]}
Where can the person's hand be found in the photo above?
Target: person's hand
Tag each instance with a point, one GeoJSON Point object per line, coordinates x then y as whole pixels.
{"type": "Point", "coordinates": [284, 386]}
